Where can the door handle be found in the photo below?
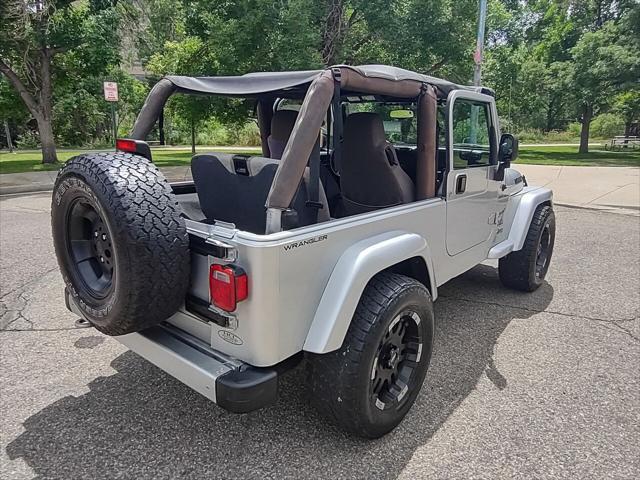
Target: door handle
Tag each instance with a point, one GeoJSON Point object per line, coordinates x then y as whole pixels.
{"type": "Point", "coordinates": [461, 183]}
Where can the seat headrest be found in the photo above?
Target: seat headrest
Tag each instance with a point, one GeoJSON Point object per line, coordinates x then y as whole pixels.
{"type": "Point", "coordinates": [365, 127]}
{"type": "Point", "coordinates": [282, 124]}
{"type": "Point", "coordinates": [236, 164]}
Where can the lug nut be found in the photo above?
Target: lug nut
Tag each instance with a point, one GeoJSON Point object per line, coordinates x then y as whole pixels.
{"type": "Point", "coordinates": [104, 236]}
{"type": "Point", "coordinates": [95, 234]}
{"type": "Point", "coordinates": [102, 259]}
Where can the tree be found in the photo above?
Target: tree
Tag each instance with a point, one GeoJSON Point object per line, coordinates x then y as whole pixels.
{"type": "Point", "coordinates": [602, 65]}
{"type": "Point", "coordinates": [42, 36]}
{"type": "Point", "coordinates": [627, 105]}
{"type": "Point", "coordinates": [13, 115]}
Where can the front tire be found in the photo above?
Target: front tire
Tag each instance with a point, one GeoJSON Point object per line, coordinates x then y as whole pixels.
{"type": "Point", "coordinates": [369, 384]}
{"type": "Point", "coordinates": [526, 269]}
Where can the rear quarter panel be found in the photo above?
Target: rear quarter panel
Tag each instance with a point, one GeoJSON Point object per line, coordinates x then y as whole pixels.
{"type": "Point", "coordinates": [289, 271]}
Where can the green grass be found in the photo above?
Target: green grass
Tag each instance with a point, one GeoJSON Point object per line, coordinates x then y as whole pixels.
{"type": "Point", "coordinates": [30, 161]}
{"type": "Point", "coordinates": [569, 156]}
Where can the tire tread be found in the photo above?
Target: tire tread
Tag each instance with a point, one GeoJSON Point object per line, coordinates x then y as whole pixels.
{"type": "Point", "coordinates": [146, 215]}
{"type": "Point", "coordinates": [332, 377]}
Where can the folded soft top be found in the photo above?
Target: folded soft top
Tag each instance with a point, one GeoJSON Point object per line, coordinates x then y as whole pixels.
{"type": "Point", "coordinates": [279, 83]}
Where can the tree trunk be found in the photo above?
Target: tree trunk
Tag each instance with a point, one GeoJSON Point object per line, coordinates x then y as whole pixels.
{"type": "Point", "coordinates": [587, 114]}
{"type": "Point", "coordinates": [47, 140]}
{"type": "Point", "coordinates": [7, 132]}
{"type": "Point", "coordinates": [627, 129]}
{"type": "Point", "coordinates": [333, 34]}
{"type": "Point", "coordinates": [45, 127]}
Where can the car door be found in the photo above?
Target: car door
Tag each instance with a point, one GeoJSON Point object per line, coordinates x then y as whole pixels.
{"type": "Point", "coordinates": [472, 158]}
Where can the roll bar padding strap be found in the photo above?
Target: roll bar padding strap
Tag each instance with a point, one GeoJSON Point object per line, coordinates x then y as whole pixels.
{"type": "Point", "coordinates": [264, 109]}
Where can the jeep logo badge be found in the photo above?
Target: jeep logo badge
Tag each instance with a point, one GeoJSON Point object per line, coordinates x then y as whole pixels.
{"type": "Point", "coordinates": [229, 337]}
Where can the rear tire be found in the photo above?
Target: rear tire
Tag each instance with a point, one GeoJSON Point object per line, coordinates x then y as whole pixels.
{"type": "Point", "coordinates": [369, 384]}
{"type": "Point", "coordinates": [122, 247]}
{"type": "Point", "coordinates": [525, 269]}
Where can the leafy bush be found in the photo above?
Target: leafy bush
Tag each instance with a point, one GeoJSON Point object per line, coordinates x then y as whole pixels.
{"type": "Point", "coordinates": [530, 135]}
{"type": "Point", "coordinates": [29, 139]}
{"type": "Point", "coordinates": [553, 136]}
{"type": "Point", "coordinates": [557, 136]}
{"type": "Point", "coordinates": [607, 125]}
{"type": "Point", "coordinates": [574, 128]}
{"type": "Point", "coordinates": [248, 135]}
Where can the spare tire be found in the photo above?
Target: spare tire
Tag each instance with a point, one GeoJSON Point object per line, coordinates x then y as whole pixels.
{"type": "Point", "coordinates": [121, 243]}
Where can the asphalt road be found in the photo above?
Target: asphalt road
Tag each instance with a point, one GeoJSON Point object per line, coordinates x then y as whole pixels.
{"type": "Point", "coordinates": [542, 385]}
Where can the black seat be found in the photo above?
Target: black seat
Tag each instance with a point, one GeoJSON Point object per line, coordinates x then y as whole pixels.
{"type": "Point", "coordinates": [370, 175]}
{"type": "Point", "coordinates": [282, 124]}
{"type": "Point", "coordinates": [234, 188]}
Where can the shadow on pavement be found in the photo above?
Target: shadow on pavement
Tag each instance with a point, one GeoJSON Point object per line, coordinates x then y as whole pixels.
{"type": "Point", "coordinates": [142, 423]}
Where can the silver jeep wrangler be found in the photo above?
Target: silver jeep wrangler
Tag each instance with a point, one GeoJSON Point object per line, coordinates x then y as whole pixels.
{"type": "Point", "coordinates": [375, 186]}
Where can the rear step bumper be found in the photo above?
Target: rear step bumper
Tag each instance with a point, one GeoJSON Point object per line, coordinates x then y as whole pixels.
{"type": "Point", "coordinates": [233, 385]}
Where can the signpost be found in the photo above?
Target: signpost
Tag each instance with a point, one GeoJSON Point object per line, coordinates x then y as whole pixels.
{"type": "Point", "coordinates": [111, 95]}
{"type": "Point", "coordinates": [477, 71]}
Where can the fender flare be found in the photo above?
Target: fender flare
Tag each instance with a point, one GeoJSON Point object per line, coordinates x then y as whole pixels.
{"type": "Point", "coordinates": [524, 214]}
{"type": "Point", "coordinates": [355, 267]}
{"type": "Point", "coordinates": [532, 197]}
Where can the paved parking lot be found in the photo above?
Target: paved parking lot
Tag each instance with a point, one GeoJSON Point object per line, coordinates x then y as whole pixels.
{"type": "Point", "coordinates": [542, 385]}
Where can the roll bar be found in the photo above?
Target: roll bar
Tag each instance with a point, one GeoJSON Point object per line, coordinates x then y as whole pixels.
{"type": "Point", "coordinates": [305, 131]}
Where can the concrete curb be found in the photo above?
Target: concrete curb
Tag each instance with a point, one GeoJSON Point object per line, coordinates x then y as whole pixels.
{"type": "Point", "coordinates": [15, 189]}
{"type": "Point", "coordinates": [617, 209]}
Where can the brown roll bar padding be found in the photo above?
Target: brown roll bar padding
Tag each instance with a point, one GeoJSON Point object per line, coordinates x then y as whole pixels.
{"type": "Point", "coordinates": [303, 138]}
{"type": "Point", "coordinates": [426, 157]}
{"type": "Point", "coordinates": [352, 80]}
{"type": "Point", "coordinates": [151, 109]}
{"type": "Point", "coordinates": [265, 113]}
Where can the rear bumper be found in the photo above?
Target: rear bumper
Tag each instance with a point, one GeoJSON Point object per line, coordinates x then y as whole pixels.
{"type": "Point", "coordinates": [233, 385]}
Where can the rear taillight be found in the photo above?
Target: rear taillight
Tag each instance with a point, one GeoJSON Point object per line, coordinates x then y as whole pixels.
{"type": "Point", "coordinates": [137, 147]}
{"type": "Point", "coordinates": [126, 145]}
{"type": "Point", "coordinates": [228, 285]}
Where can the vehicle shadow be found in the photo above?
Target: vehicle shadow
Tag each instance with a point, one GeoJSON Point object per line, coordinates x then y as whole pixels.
{"type": "Point", "coordinates": [142, 423]}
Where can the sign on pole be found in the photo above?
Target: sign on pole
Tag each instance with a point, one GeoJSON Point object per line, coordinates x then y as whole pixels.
{"type": "Point", "coordinates": [111, 95]}
{"type": "Point", "coordinates": [111, 91]}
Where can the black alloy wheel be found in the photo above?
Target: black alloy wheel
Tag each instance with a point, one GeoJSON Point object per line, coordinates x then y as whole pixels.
{"type": "Point", "coordinates": [90, 248]}
{"type": "Point", "coordinates": [542, 254]}
{"type": "Point", "coordinates": [397, 360]}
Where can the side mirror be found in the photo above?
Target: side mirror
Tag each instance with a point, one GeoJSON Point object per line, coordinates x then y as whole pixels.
{"type": "Point", "coordinates": [507, 153]}
{"type": "Point", "coordinates": [508, 149]}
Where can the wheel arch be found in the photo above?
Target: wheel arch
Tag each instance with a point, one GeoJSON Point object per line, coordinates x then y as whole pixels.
{"type": "Point", "coordinates": [398, 251]}
{"type": "Point", "coordinates": [532, 198]}
{"type": "Point", "coordinates": [416, 268]}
